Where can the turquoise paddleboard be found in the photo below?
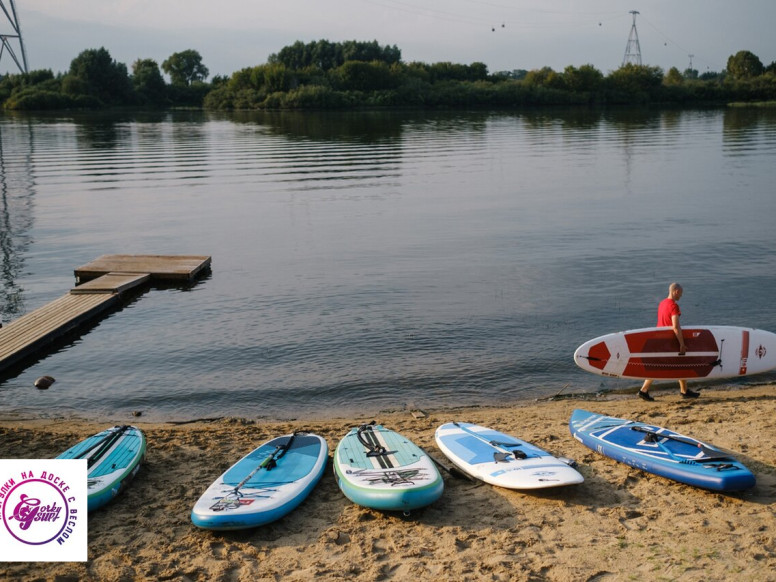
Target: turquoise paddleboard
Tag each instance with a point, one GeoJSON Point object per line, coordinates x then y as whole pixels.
{"type": "Point", "coordinates": [264, 485]}
{"type": "Point", "coordinates": [379, 468]}
{"type": "Point", "coordinates": [113, 459]}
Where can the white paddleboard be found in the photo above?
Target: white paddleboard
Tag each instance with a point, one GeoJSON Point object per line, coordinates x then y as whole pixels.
{"type": "Point", "coordinates": [712, 352]}
{"type": "Point", "coordinates": [501, 459]}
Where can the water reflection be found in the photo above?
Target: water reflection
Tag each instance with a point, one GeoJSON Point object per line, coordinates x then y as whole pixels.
{"type": "Point", "coordinates": [16, 212]}
{"type": "Point", "coordinates": [747, 125]}
{"type": "Point", "coordinates": [335, 126]}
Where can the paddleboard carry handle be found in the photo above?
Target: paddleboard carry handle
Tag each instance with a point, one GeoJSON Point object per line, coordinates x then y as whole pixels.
{"type": "Point", "coordinates": [654, 437]}
{"type": "Point", "coordinates": [374, 449]}
{"type": "Point", "coordinates": [499, 456]}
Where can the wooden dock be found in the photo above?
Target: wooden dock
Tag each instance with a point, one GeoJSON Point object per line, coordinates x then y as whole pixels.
{"type": "Point", "coordinates": [101, 286]}
{"type": "Point", "coordinates": [177, 267]}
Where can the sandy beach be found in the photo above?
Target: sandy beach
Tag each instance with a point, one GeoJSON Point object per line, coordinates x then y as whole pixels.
{"type": "Point", "coordinates": [620, 524]}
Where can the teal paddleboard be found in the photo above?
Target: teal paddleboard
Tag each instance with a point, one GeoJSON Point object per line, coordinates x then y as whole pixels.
{"type": "Point", "coordinates": [113, 459]}
{"type": "Point", "coordinates": [381, 469]}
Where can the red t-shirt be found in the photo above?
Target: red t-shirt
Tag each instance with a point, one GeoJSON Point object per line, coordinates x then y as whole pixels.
{"type": "Point", "coordinates": [665, 311]}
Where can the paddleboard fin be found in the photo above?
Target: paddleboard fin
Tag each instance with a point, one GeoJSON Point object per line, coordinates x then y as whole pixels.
{"type": "Point", "coordinates": [570, 462]}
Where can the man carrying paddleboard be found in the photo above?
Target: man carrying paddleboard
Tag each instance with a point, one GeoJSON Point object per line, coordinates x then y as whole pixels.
{"type": "Point", "coordinates": [668, 314]}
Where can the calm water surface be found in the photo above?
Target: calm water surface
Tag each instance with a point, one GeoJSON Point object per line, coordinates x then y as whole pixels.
{"type": "Point", "coordinates": [373, 261]}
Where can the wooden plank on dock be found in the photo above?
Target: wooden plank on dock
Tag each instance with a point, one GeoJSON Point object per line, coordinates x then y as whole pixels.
{"type": "Point", "coordinates": [24, 336]}
{"type": "Point", "coordinates": [112, 283]}
{"type": "Point", "coordinates": [181, 267]}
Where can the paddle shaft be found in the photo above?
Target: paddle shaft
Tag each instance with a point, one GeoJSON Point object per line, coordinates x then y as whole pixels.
{"type": "Point", "coordinates": [269, 462]}
{"type": "Point", "coordinates": [102, 446]}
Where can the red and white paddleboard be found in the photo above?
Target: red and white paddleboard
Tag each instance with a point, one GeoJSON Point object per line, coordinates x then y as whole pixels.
{"type": "Point", "coordinates": [712, 352]}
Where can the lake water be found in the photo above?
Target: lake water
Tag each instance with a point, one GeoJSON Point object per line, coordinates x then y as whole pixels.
{"type": "Point", "coordinates": [378, 261]}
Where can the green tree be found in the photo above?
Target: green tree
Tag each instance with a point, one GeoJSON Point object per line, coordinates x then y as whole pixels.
{"type": "Point", "coordinates": [744, 65]}
{"type": "Point", "coordinates": [19, 81]}
{"type": "Point", "coordinates": [361, 76]}
{"type": "Point", "coordinates": [295, 56]}
{"type": "Point", "coordinates": [96, 74]}
{"type": "Point", "coordinates": [447, 71]}
{"type": "Point", "coordinates": [370, 51]}
{"type": "Point", "coordinates": [185, 68]}
{"type": "Point", "coordinates": [247, 78]}
{"type": "Point", "coordinates": [275, 78]}
{"type": "Point", "coordinates": [673, 77]}
{"type": "Point", "coordinates": [544, 77]}
{"type": "Point", "coordinates": [635, 81]}
{"type": "Point", "coordinates": [326, 55]}
{"type": "Point", "coordinates": [584, 79]}
{"type": "Point", "coordinates": [148, 82]}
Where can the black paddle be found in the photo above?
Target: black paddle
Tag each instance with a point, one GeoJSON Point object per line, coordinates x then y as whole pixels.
{"type": "Point", "coordinates": [270, 462]}
{"type": "Point", "coordinates": [102, 446]}
{"type": "Point", "coordinates": [452, 469]}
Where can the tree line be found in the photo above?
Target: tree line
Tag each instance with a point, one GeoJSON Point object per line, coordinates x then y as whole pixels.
{"type": "Point", "coordinates": [352, 74]}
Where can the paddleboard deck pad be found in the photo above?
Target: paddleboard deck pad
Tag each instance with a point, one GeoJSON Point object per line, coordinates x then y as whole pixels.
{"type": "Point", "coordinates": [712, 352]}
{"type": "Point", "coordinates": [661, 451]}
{"type": "Point", "coordinates": [113, 459]}
{"type": "Point", "coordinates": [265, 485]}
{"type": "Point", "coordinates": [378, 468]}
{"type": "Point", "coordinates": [501, 459]}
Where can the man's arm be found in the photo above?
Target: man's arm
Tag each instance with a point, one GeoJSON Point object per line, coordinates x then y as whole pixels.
{"type": "Point", "coordinates": [678, 332]}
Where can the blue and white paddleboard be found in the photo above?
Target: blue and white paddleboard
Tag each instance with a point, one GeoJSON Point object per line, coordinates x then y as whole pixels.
{"type": "Point", "coordinates": [379, 468]}
{"type": "Point", "coordinates": [264, 485]}
{"type": "Point", "coordinates": [113, 459]}
{"type": "Point", "coordinates": [501, 459]}
{"type": "Point", "coordinates": [661, 451]}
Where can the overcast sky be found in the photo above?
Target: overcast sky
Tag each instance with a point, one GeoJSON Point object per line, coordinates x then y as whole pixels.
{"type": "Point", "coordinates": [504, 34]}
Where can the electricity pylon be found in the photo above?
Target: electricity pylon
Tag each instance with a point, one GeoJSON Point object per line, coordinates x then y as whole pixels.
{"type": "Point", "coordinates": [633, 49]}
{"type": "Point", "coordinates": [6, 39]}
